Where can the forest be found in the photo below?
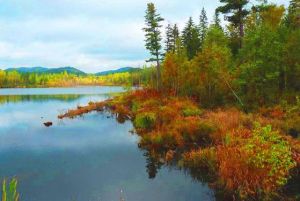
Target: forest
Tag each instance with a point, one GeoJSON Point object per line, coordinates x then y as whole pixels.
{"type": "Point", "coordinates": [14, 79]}
{"type": "Point", "coordinates": [253, 61]}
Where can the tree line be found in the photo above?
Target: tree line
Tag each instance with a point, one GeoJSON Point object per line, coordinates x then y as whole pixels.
{"type": "Point", "coordinates": [254, 60]}
{"type": "Point", "coordinates": [11, 79]}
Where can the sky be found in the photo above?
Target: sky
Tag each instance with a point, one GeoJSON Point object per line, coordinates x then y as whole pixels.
{"type": "Point", "coordinates": [91, 35]}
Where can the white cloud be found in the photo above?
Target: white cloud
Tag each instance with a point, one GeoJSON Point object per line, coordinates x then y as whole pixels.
{"type": "Point", "coordinates": [93, 35]}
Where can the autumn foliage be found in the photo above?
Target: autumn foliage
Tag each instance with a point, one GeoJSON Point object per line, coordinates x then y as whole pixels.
{"type": "Point", "coordinates": [239, 152]}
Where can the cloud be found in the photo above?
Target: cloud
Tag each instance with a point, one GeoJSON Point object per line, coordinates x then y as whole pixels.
{"type": "Point", "coordinates": [92, 35]}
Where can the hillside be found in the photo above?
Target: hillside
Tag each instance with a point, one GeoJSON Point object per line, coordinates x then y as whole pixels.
{"type": "Point", "coordinates": [70, 70]}
{"type": "Point", "coordinates": [28, 69]}
{"type": "Point", "coordinates": [120, 70]}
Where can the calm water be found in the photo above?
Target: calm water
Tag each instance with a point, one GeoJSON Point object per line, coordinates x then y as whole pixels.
{"type": "Point", "coordinates": [86, 159]}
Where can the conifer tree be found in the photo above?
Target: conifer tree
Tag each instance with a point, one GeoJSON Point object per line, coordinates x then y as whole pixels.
{"type": "Point", "coordinates": [175, 36]}
{"type": "Point", "coordinates": [172, 34]}
{"type": "Point", "coordinates": [237, 8]}
{"type": "Point", "coordinates": [203, 26]}
{"type": "Point", "coordinates": [168, 41]}
{"type": "Point", "coordinates": [190, 39]}
{"type": "Point", "coordinates": [217, 21]}
{"type": "Point", "coordinates": [153, 38]}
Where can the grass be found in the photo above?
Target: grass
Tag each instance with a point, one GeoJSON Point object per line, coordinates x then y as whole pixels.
{"type": "Point", "coordinates": [9, 191]}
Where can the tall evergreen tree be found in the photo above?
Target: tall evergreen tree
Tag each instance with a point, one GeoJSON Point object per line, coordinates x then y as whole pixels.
{"type": "Point", "coordinates": [168, 41]}
{"type": "Point", "coordinates": [237, 8]}
{"type": "Point", "coordinates": [203, 26]}
{"type": "Point", "coordinates": [172, 34]}
{"type": "Point", "coordinates": [190, 39]}
{"type": "Point", "coordinates": [153, 38]}
{"type": "Point", "coordinates": [175, 36]}
{"type": "Point", "coordinates": [217, 20]}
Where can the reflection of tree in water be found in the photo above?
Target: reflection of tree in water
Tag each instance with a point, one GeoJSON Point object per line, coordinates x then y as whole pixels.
{"type": "Point", "coordinates": [39, 98]}
{"type": "Point", "coordinates": [157, 157]}
{"type": "Point", "coordinates": [153, 164]}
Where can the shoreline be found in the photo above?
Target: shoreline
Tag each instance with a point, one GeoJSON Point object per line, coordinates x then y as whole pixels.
{"type": "Point", "coordinates": [212, 142]}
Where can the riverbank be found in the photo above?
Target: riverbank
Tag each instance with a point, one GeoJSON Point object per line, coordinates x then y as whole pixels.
{"type": "Point", "coordinates": [246, 156]}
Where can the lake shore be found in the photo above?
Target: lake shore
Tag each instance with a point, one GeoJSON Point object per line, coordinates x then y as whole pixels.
{"type": "Point", "coordinates": [88, 153]}
{"type": "Point", "coordinates": [234, 151]}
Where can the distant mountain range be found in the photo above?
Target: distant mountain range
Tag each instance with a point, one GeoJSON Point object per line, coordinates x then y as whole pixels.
{"type": "Point", "coordinates": [68, 69]}
{"type": "Point", "coordinates": [120, 70]}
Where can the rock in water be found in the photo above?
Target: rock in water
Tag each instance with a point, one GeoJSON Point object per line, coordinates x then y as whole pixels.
{"type": "Point", "coordinates": [48, 124]}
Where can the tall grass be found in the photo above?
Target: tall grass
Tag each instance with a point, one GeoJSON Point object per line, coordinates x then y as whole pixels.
{"type": "Point", "coordinates": [9, 192]}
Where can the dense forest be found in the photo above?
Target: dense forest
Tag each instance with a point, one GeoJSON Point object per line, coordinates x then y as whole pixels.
{"type": "Point", "coordinates": [254, 60]}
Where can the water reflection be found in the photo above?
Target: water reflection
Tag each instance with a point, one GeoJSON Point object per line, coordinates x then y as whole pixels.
{"type": "Point", "coordinates": [88, 158]}
{"type": "Point", "coordinates": [39, 98]}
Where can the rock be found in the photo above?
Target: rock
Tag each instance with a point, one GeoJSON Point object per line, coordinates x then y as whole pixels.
{"type": "Point", "coordinates": [48, 124]}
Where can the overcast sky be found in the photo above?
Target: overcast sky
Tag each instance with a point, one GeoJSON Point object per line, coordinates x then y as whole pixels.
{"type": "Point", "coordinates": [92, 35]}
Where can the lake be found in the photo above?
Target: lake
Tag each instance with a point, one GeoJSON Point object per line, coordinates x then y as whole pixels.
{"type": "Point", "coordinates": [90, 158]}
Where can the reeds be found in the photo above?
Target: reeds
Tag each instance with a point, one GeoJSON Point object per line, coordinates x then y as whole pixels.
{"type": "Point", "coordinates": [9, 193]}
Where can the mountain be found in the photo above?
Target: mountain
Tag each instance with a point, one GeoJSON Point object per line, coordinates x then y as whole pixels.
{"type": "Point", "coordinates": [28, 70]}
{"type": "Point", "coordinates": [70, 70]}
{"type": "Point", "coordinates": [120, 70]}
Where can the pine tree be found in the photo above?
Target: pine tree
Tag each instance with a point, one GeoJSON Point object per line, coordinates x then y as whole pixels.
{"type": "Point", "coordinates": [217, 21]}
{"type": "Point", "coordinates": [237, 8]}
{"type": "Point", "coordinates": [169, 35]}
{"type": "Point", "coordinates": [190, 39]}
{"type": "Point", "coordinates": [153, 38]}
{"type": "Point", "coordinates": [172, 34]}
{"type": "Point", "coordinates": [175, 36]}
{"type": "Point", "coordinates": [203, 26]}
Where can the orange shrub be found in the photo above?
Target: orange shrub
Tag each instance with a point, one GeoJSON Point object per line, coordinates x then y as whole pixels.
{"type": "Point", "coordinates": [226, 121]}
{"type": "Point", "coordinates": [258, 165]}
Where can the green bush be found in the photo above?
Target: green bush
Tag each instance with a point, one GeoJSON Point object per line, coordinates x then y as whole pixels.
{"type": "Point", "coordinates": [269, 151]}
{"type": "Point", "coordinates": [145, 120]}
